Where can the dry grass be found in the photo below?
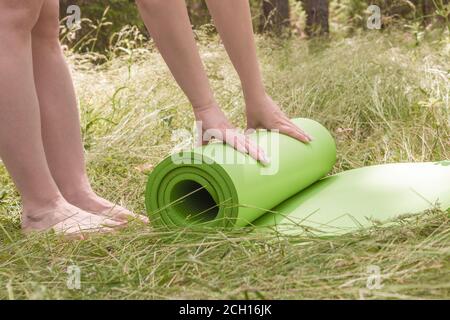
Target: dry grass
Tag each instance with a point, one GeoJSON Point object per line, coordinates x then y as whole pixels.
{"type": "Point", "coordinates": [384, 98]}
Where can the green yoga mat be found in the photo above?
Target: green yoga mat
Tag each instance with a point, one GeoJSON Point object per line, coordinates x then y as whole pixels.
{"type": "Point", "coordinates": [363, 197]}
{"type": "Point", "coordinates": [216, 186]}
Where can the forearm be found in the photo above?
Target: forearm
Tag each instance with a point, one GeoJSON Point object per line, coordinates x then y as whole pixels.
{"type": "Point", "coordinates": [234, 24]}
{"type": "Point", "coordinates": [170, 28]}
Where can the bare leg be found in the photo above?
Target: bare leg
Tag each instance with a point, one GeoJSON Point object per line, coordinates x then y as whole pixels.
{"type": "Point", "coordinates": [21, 145]}
{"type": "Point", "coordinates": [60, 120]}
{"type": "Point", "coordinates": [169, 25]}
{"type": "Point", "coordinates": [233, 21]}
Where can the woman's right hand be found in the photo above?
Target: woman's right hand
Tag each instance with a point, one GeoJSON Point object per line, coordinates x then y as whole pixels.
{"type": "Point", "coordinates": [212, 123]}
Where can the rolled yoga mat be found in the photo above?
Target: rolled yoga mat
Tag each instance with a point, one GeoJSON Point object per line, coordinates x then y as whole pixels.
{"type": "Point", "coordinates": [216, 186]}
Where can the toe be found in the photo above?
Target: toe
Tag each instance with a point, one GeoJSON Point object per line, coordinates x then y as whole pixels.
{"type": "Point", "coordinates": [123, 215]}
{"type": "Point", "coordinates": [110, 223]}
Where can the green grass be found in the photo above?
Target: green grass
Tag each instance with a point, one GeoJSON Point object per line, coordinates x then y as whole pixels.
{"type": "Point", "coordinates": [385, 98]}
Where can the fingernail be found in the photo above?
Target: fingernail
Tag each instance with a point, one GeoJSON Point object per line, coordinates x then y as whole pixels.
{"type": "Point", "coordinates": [266, 160]}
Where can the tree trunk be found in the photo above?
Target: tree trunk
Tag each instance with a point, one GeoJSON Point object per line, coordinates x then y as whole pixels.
{"type": "Point", "coordinates": [275, 16]}
{"type": "Point", "coordinates": [198, 12]}
{"type": "Point", "coordinates": [428, 10]}
{"type": "Point", "coordinates": [317, 14]}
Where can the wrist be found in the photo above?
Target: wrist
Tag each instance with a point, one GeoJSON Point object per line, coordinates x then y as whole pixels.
{"type": "Point", "coordinates": [253, 91]}
{"type": "Point", "coordinates": [205, 105]}
{"type": "Point", "coordinates": [255, 98]}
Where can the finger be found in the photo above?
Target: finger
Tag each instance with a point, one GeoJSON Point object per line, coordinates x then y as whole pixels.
{"type": "Point", "coordinates": [244, 145]}
{"type": "Point", "coordinates": [294, 133]}
{"type": "Point", "coordinates": [234, 141]}
{"type": "Point", "coordinates": [240, 146]}
{"type": "Point", "coordinates": [252, 150]}
{"type": "Point", "coordinates": [304, 133]}
{"type": "Point", "coordinates": [261, 155]}
{"type": "Point", "coordinates": [265, 160]}
{"type": "Point", "coordinates": [299, 130]}
{"type": "Point", "coordinates": [256, 152]}
{"type": "Point", "coordinates": [289, 125]}
{"type": "Point", "coordinates": [249, 131]}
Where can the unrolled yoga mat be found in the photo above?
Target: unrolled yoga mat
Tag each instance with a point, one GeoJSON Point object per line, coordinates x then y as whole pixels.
{"type": "Point", "coordinates": [363, 197]}
{"type": "Point", "coordinates": [216, 186]}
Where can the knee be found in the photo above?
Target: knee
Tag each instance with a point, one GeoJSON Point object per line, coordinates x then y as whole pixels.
{"type": "Point", "coordinates": [19, 16]}
{"type": "Point", "coordinates": [47, 26]}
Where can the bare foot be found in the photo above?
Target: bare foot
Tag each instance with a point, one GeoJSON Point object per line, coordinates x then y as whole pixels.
{"type": "Point", "coordinates": [92, 203]}
{"type": "Point", "coordinates": [67, 220]}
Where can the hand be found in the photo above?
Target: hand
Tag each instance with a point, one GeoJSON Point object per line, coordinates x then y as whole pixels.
{"type": "Point", "coordinates": [214, 124]}
{"type": "Point", "coordinates": [266, 114]}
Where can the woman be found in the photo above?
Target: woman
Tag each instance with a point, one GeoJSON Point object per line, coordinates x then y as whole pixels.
{"type": "Point", "coordinates": [169, 25]}
{"type": "Point", "coordinates": [40, 141]}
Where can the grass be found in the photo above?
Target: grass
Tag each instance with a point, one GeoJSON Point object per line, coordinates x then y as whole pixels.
{"type": "Point", "coordinates": [385, 98]}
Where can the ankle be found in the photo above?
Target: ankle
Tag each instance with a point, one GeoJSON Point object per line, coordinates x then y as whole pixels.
{"type": "Point", "coordinates": [32, 208]}
{"type": "Point", "coordinates": [77, 197]}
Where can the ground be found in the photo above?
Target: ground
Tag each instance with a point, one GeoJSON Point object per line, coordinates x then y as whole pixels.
{"type": "Point", "coordinates": [385, 98]}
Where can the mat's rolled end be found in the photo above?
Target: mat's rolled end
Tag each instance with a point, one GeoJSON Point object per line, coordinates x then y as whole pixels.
{"type": "Point", "coordinates": [192, 201]}
{"type": "Point", "coordinates": [189, 190]}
